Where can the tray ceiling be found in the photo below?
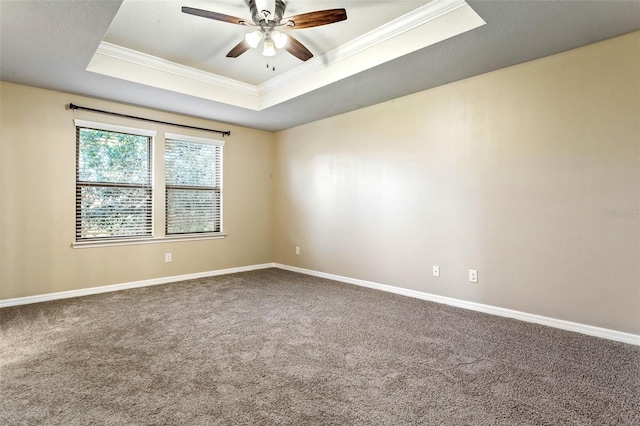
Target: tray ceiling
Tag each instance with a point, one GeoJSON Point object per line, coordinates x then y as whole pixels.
{"type": "Point", "coordinates": [49, 44]}
{"type": "Point", "coordinates": [160, 29]}
{"type": "Point", "coordinates": [154, 43]}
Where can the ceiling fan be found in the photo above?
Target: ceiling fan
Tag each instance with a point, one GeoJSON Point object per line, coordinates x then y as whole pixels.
{"type": "Point", "coordinates": [267, 18]}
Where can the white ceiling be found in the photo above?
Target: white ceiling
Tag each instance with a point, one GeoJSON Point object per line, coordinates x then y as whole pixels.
{"type": "Point", "coordinates": [160, 29]}
{"type": "Point", "coordinates": [49, 44]}
{"type": "Point", "coordinates": [142, 56]}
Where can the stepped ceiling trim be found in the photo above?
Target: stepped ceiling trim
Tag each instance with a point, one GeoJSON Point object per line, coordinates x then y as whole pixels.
{"type": "Point", "coordinates": [429, 24]}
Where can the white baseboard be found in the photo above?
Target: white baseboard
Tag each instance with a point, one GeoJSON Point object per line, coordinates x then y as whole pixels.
{"type": "Point", "coordinates": [124, 286]}
{"type": "Point", "coordinates": [605, 333]}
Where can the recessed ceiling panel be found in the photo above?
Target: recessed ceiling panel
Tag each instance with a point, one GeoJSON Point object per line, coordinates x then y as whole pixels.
{"type": "Point", "coordinates": [160, 29]}
{"type": "Point", "coordinates": [157, 46]}
{"type": "Point", "coordinates": [48, 44]}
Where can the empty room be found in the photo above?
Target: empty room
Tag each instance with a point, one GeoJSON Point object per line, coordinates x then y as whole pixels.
{"type": "Point", "coordinates": [335, 212]}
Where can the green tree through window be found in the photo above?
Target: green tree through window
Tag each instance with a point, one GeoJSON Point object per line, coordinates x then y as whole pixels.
{"type": "Point", "coordinates": [193, 179]}
{"type": "Point", "coordinates": [113, 185]}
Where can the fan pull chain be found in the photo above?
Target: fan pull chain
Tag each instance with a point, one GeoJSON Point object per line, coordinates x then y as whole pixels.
{"type": "Point", "coordinates": [273, 64]}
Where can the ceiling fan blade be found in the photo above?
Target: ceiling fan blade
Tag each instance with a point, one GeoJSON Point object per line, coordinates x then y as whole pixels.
{"type": "Point", "coordinates": [239, 49]}
{"type": "Point", "coordinates": [214, 15]}
{"type": "Point", "coordinates": [315, 19]}
{"type": "Point", "coordinates": [298, 49]}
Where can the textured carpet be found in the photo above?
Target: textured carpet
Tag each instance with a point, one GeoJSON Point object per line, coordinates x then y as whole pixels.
{"type": "Point", "coordinates": [273, 347]}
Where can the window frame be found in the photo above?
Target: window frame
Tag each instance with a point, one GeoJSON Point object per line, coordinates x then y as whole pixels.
{"type": "Point", "coordinates": [158, 189]}
{"type": "Point", "coordinates": [147, 187]}
{"type": "Point", "coordinates": [216, 190]}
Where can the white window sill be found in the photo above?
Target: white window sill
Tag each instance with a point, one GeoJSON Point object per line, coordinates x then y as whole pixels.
{"type": "Point", "coordinates": [138, 241]}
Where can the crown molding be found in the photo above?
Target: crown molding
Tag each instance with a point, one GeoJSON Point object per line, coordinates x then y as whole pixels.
{"type": "Point", "coordinates": [391, 29]}
{"type": "Point", "coordinates": [435, 21]}
{"type": "Point", "coordinates": [133, 56]}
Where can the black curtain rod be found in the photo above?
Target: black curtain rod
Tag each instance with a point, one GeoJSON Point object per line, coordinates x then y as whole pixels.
{"type": "Point", "coordinates": [77, 107]}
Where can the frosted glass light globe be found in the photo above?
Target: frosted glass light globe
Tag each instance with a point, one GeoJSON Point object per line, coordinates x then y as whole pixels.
{"type": "Point", "coordinates": [279, 39]}
{"type": "Point", "coordinates": [269, 48]}
{"type": "Point", "coordinates": [253, 38]}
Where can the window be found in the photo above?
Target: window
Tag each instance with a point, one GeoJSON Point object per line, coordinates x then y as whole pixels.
{"type": "Point", "coordinates": [193, 185]}
{"type": "Point", "coordinates": [115, 175]}
{"type": "Point", "coordinates": [113, 183]}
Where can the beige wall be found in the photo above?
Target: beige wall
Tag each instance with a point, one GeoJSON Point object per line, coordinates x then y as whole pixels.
{"type": "Point", "coordinates": [37, 182]}
{"type": "Point", "coordinates": [511, 173]}
{"type": "Point", "coordinates": [529, 174]}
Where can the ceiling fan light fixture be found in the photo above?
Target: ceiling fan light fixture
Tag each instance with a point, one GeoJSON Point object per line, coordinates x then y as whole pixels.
{"type": "Point", "coordinates": [279, 39]}
{"type": "Point", "coordinates": [253, 38]}
{"type": "Point", "coordinates": [267, 15]}
{"type": "Point", "coordinates": [269, 48]}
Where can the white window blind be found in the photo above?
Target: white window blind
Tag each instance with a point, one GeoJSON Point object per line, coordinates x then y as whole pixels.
{"type": "Point", "coordinates": [193, 184]}
{"type": "Point", "coordinates": [113, 185]}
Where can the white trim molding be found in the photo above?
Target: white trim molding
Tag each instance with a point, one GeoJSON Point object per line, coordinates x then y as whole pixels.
{"type": "Point", "coordinates": [4, 303]}
{"type": "Point", "coordinates": [590, 330]}
{"type": "Point", "coordinates": [429, 24]}
{"type": "Point", "coordinates": [394, 28]}
{"type": "Point", "coordinates": [129, 55]}
{"type": "Point", "coordinates": [194, 139]}
{"type": "Point", "coordinates": [114, 128]}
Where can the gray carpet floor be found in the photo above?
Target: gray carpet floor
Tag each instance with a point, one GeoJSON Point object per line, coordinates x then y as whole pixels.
{"type": "Point", "coordinates": [273, 347]}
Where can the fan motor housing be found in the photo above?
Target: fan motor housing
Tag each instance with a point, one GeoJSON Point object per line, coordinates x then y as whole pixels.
{"type": "Point", "coordinates": [261, 15]}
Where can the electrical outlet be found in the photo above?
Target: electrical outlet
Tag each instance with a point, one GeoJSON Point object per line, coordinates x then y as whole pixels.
{"type": "Point", "coordinates": [167, 257]}
{"type": "Point", "coordinates": [297, 250]}
{"type": "Point", "coordinates": [473, 275]}
{"type": "Point", "coordinates": [436, 271]}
